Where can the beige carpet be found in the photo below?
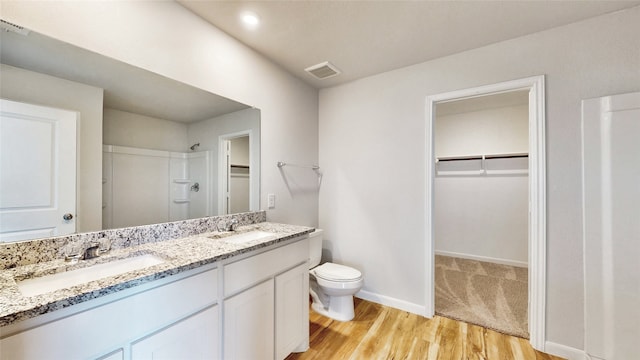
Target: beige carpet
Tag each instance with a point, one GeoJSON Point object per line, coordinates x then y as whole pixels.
{"type": "Point", "coordinates": [482, 293]}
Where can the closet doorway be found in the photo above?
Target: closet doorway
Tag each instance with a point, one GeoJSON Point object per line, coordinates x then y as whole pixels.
{"type": "Point", "coordinates": [235, 173]}
{"type": "Point", "coordinates": [481, 211]}
{"type": "Point", "coordinates": [491, 169]}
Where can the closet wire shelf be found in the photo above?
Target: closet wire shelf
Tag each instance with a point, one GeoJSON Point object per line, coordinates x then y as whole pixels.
{"type": "Point", "coordinates": [483, 165]}
{"type": "Point", "coordinates": [283, 164]}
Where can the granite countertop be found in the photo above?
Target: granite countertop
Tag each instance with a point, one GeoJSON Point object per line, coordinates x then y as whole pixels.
{"type": "Point", "coordinates": [179, 255]}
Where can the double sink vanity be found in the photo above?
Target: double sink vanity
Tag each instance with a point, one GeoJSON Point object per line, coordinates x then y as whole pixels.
{"type": "Point", "coordinates": [173, 290]}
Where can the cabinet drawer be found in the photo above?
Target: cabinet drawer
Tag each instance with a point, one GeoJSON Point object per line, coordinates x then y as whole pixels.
{"type": "Point", "coordinates": [243, 273]}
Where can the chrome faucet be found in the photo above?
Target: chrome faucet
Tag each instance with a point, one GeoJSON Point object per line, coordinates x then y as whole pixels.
{"type": "Point", "coordinates": [91, 251]}
{"type": "Point", "coordinates": [82, 252]}
{"type": "Point", "coordinates": [231, 225]}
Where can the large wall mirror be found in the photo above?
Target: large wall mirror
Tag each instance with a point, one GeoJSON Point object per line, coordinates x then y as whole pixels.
{"type": "Point", "coordinates": [139, 148]}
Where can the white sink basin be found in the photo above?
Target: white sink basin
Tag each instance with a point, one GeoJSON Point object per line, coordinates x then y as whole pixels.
{"type": "Point", "coordinates": [53, 282]}
{"type": "Point", "coordinates": [249, 236]}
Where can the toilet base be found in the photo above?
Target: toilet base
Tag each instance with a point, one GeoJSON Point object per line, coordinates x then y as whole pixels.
{"type": "Point", "coordinates": [340, 308]}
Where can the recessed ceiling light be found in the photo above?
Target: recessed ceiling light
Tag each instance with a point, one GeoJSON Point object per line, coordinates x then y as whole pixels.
{"type": "Point", "coordinates": [250, 19]}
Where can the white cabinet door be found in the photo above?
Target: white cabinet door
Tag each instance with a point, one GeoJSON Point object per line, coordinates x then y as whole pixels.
{"type": "Point", "coordinates": [248, 323]}
{"type": "Point", "coordinates": [37, 171]}
{"type": "Point", "coordinates": [292, 311]}
{"type": "Point", "coordinates": [196, 337]}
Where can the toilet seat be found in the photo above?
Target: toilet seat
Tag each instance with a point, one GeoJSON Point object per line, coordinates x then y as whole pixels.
{"type": "Point", "coordinates": [336, 272]}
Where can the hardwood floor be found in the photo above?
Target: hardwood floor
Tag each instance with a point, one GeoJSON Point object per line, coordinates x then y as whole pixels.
{"type": "Point", "coordinates": [380, 332]}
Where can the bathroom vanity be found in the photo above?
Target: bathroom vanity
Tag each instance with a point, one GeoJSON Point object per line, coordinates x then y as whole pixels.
{"type": "Point", "coordinates": [213, 295]}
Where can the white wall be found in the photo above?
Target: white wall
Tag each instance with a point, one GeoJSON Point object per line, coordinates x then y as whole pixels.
{"type": "Point", "coordinates": [194, 52]}
{"type": "Point", "coordinates": [35, 88]}
{"type": "Point", "coordinates": [207, 133]}
{"type": "Point", "coordinates": [500, 130]}
{"type": "Point", "coordinates": [123, 128]}
{"type": "Point", "coordinates": [372, 146]}
{"type": "Point", "coordinates": [482, 217]}
{"type": "Point", "coordinates": [240, 151]}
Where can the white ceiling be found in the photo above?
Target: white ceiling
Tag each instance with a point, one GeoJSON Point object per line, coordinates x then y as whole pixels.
{"type": "Point", "coordinates": [126, 87]}
{"type": "Point", "coordinates": [363, 38]}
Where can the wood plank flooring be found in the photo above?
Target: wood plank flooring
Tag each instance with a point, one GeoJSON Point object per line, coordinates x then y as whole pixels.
{"type": "Point", "coordinates": [380, 332]}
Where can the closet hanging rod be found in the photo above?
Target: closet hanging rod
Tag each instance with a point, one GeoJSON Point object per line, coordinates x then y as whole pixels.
{"type": "Point", "coordinates": [506, 156]}
{"type": "Point", "coordinates": [458, 158]}
{"type": "Point", "coordinates": [481, 157]}
{"type": "Point", "coordinates": [313, 167]}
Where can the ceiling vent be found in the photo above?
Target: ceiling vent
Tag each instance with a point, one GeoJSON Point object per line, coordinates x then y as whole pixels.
{"type": "Point", "coordinates": [7, 26]}
{"type": "Point", "coordinates": [323, 70]}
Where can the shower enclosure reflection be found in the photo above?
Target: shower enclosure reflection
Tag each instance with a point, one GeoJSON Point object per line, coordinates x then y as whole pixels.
{"type": "Point", "coordinates": [143, 140]}
{"type": "Point", "coordinates": [156, 182]}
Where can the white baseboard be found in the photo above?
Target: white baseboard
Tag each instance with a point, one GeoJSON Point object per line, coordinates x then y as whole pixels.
{"type": "Point", "coordinates": [392, 302]}
{"type": "Point", "coordinates": [564, 351]}
{"type": "Point", "coordinates": [483, 258]}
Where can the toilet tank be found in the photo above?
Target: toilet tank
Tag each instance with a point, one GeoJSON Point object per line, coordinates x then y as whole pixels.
{"type": "Point", "coordinates": [315, 248]}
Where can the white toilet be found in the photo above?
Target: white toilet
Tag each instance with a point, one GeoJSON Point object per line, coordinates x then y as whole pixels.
{"type": "Point", "coordinates": [331, 285]}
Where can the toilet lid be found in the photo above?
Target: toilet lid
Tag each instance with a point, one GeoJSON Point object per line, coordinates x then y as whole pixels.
{"type": "Point", "coordinates": [331, 271]}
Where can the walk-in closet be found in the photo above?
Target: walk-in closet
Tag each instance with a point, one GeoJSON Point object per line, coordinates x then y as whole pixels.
{"type": "Point", "coordinates": [481, 211]}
